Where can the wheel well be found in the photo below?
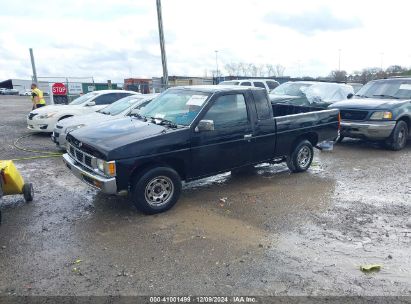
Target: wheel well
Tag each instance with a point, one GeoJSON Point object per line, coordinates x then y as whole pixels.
{"type": "Point", "coordinates": [311, 137]}
{"type": "Point", "coordinates": [66, 116]}
{"type": "Point", "coordinates": [177, 165]}
{"type": "Point", "coordinates": [407, 120]}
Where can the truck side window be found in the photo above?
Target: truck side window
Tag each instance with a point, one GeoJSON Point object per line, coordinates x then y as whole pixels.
{"type": "Point", "coordinates": [228, 111]}
{"type": "Point", "coordinates": [246, 84]}
{"type": "Point", "coordinates": [261, 105]}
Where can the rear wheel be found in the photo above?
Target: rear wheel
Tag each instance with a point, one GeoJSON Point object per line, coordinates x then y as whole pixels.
{"type": "Point", "coordinates": [301, 157]}
{"type": "Point", "coordinates": [156, 190]}
{"type": "Point", "coordinates": [399, 136]}
{"type": "Point", "coordinates": [28, 192]}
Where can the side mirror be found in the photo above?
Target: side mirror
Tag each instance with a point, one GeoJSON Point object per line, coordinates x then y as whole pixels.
{"type": "Point", "coordinates": [350, 95]}
{"type": "Point", "coordinates": [205, 125]}
{"type": "Point", "coordinates": [91, 103]}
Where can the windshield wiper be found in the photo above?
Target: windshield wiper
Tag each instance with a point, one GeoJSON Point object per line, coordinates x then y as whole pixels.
{"type": "Point", "coordinates": [387, 96]}
{"type": "Point", "coordinates": [139, 116]}
{"type": "Point", "coordinates": [164, 122]}
{"type": "Point", "coordinates": [361, 96]}
{"type": "Point", "coordinates": [105, 113]}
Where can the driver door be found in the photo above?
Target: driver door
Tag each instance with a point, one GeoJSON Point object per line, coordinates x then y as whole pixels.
{"type": "Point", "coordinates": [228, 145]}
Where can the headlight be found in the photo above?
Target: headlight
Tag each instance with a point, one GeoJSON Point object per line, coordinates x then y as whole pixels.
{"type": "Point", "coordinates": [72, 128]}
{"type": "Point", "coordinates": [46, 115]}
{"type": "Point", "coordinates": [107, 168]}
{"type": "Point", "coordinates": [381, 115]}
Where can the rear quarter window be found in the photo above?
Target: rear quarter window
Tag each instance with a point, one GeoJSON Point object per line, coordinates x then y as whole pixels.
{"type": "Point", "coordinates": [262, 105]}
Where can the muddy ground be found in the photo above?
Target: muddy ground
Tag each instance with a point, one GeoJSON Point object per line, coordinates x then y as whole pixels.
{"type": "Point", "coordinates": [266, 233]}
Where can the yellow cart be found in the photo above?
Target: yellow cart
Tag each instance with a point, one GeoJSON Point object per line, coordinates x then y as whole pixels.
{"type": "Point", "coordinates": [11, 182]}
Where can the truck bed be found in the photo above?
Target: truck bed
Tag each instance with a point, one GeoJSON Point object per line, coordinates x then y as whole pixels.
{"type": "Point", "coordinates": [293, 120]}
{"type": "Point", "coordinates": [287, 109]}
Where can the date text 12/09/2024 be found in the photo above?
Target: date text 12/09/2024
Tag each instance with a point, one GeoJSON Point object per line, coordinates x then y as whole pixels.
{"type": "Point", "coordinates": [203, 299]}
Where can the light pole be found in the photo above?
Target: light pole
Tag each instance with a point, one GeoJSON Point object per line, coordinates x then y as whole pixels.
{"type": "Point", "coordinates": [216, 63]}
{"type": "Point", "coordinates": [382, 58]}
{"type": "Point", "coordinates": [162, 46]}
{"type": "Point", "coordinates": [339, 59]}
{"type": "Point", "coordinates": [33, 66]}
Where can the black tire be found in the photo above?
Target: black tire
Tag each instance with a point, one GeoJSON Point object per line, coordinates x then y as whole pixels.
{"type": "Point", "coordinates": [28, 192]}
{"type": "Point", "coordinates": [156, 190]}
{"type": "Point", "coordinates": [399, 136]}
{"type": "Point", "coordinates": [301, 157]}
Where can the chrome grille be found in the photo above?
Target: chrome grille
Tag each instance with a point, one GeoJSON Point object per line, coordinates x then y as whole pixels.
{"type": "Point", "coordinates": [353, 114]}
{"type": "Point", "coordinates": [85, 159]}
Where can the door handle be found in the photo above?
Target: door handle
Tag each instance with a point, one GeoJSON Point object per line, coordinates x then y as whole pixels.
{"type": "Point", "coordinates": [248, 137]}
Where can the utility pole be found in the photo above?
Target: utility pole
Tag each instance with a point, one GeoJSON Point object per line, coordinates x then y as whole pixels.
{"type": "Point", "coordinates": [162, 47]}
{"type": "Point", "coordinates": [216, 64]}
{"type": "Point", "coordinates": [339, 59]}
{"type": "Point", "coordinates": [33, 66]}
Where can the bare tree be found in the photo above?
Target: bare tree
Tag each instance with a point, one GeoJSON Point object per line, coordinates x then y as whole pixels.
{"type": "Point", "coordinates": [338, 76]}
{"type": "Point", "coordinates": [261, 70]}
{"type": "Point", "coordinates": [270, 70]}
{"type": "Point", "coordinates": [253, 69]}
{"type": "Point", "coordinates": [230, 68]}
{"type": "Point", "coordinates": [279, 69]}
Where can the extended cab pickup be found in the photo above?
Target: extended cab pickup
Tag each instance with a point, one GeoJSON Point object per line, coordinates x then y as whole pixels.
{"type": "Point", "coordinates": [381, 111]}
{"type": "Point", "coordinates": [193, 132]}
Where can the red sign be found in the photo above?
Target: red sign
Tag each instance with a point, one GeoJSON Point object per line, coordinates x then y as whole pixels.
{"type": "Point", "coordinates": [59, 89]}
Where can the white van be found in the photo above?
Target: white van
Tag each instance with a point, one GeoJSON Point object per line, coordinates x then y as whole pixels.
{"type": "Point", "coordinates": [267, 84]}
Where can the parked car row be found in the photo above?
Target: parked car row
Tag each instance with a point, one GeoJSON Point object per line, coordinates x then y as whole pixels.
{"type": "Point", "coordinates": [146, 145]}
{"type": "Point", "coordinates": [4, 91]}
{"type": "Point", "coordinates": [45, 118]}
{"type": "Point", "coordinates": [378, 111]}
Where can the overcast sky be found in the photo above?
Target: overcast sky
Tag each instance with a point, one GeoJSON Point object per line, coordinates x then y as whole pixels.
{"type": "Point", "coordinates": [118, 39]}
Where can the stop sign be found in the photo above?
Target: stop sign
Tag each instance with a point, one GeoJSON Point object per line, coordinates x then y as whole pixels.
{"type": "Point", "coordinates": [59, 89]}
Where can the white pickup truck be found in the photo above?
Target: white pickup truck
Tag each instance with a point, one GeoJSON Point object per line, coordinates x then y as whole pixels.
{"type": "Point", "coordinates": [45, 118]}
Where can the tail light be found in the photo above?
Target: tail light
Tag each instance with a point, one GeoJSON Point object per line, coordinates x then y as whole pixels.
{"type": "Point", "coordinates": [339, 120]}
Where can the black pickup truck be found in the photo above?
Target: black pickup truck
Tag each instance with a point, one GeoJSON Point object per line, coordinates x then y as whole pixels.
{"type": "Point", "coordinates": [193, 132]}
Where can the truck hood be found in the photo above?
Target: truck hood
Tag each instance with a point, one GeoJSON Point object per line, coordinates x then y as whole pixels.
{"type": "Point", "coordinates": [127, 137]}
{"type": "Point", "coordinates": [368, 103]}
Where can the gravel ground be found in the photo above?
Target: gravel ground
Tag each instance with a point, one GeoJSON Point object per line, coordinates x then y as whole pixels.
{"type": "Point", "coordinates": [267, 233]}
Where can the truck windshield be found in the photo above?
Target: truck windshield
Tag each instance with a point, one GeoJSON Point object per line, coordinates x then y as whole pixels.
{"type": "Point", "coordinates": [176, 105]}
{"type": "Point", "coordinates": [121, 105]}
{"type": "Point", "coordinates": [83, 99]}
{"type": "Point", "coordinates": [397, 89]}
{"type": "Point", "coordinates": [290, 88]}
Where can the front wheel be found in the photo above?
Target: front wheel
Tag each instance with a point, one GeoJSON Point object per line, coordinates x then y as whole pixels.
{"type": "Point", "coordinates": [399, 136]}
{"type": "Point", "coordinates": [156, 190]}
{"type": "Point", "coordinates": [301, 157]}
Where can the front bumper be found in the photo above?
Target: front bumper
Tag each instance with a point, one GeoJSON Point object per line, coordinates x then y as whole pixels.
{"type": "Point", "coordinates": [106, 185]}
{"type": "Point", "coordinates": [40, 125]}
{"type": "Point", "coordinates": [374, 130]}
